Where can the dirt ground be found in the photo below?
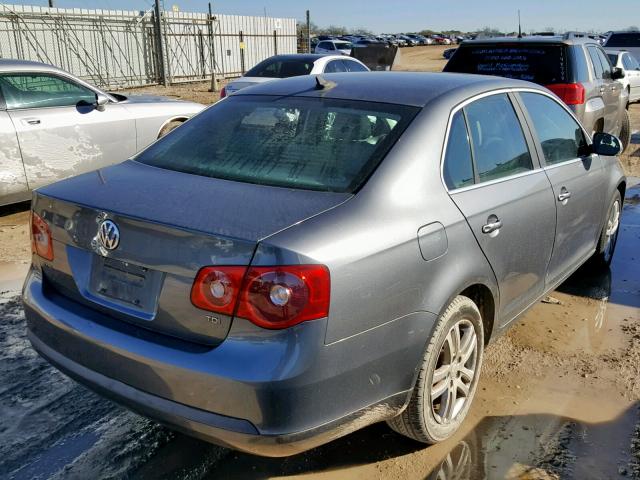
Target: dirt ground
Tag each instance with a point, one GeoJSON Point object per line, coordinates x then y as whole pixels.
{"type": "Point", "coordinates": [559, 395]}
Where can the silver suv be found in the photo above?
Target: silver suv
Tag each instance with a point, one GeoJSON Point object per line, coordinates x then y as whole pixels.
{"type": "Point", "coordinates": [573, 66]}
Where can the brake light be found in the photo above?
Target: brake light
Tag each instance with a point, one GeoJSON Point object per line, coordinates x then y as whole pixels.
{"type": "Point", "coordinates": [569, 93]}
{"type": "Point", "coordinates": [41, 243]}
{"type": "Point", "coordinates": [217, 288]}
{"type": "Point", "coordinates": [223, 92]}
{"type": "Point", "coordinates": [270, 297]}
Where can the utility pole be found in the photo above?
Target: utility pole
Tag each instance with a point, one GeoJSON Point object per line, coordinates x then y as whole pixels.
{"type": "Point", "coordinates": [519, 25]}
{"type": "Point", "coordinates": [159, 42]}
{"type": "Point", "coordinates": [308, 33]}
{"type": "Point", "coordinates": [214, 81]}
{"type": "Point", "coordinates": [50, 3]}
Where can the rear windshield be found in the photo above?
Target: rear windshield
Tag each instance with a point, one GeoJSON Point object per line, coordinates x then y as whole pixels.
{"type": "Point", "coordinates": [543, 64]}
{"type": "Point", "coordinates": [628, 39]}
{"type": "Point", "coordinates": [281, 68]}
{"type": "Point", "coordinates": [307, 143]}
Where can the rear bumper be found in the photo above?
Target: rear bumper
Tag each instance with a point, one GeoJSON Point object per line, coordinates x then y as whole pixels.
{"type": "Point", "coordinates": [272, 393]}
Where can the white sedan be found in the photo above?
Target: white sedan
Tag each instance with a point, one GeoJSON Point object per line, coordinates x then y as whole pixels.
{"type": "Point", "coordinates": [293, 65]}
{"type": "Point", "coordinates": [54, 125]}
{"type": "Point", "coordinates": [631, 67]}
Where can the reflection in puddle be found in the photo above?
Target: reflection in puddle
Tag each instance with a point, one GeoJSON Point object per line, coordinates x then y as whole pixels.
{"type": "Point", "coordinates": [540, 447]}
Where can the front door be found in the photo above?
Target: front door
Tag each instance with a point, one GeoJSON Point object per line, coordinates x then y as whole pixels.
{"type": "Point", "coordinates": [60, 130]}
{"type": "Point", "coordinates": [506, 200]}
{"type": "Point", "coordinates": [576, 178]}
{"type": "Point", "coordinates": [13, 181]}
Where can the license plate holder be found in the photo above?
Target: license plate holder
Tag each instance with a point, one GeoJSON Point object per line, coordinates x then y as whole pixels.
{"type": "Point", "coordinates": [126, 284]}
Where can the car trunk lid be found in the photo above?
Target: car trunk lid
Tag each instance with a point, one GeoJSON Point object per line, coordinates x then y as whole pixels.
{"type": "Point", "coordinates": [170, 224]}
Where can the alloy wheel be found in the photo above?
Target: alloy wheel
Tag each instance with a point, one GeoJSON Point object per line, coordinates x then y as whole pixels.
{"type": "Point", "coordinates": [454, 372]}
{"type": "Point", "coordinates": [611, 233]}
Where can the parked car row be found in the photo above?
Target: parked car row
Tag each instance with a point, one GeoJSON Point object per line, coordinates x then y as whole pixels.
{"type": "Point", "coordinates": [398, 39]}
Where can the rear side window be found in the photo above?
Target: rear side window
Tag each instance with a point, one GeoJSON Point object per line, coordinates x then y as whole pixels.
{"type": "Point", "coordinates": [633, 63]}
{"type": "Point", "coordinates": [335, 66]}
{"type": "Point", "coordinates": [613, 58]}
{"type": "Point", "coordinates": [604, 60]}
{"type": "Point", "coordinates": [561, 137]}
{"type": "Point", "coordinates": [354, 66]}
{"type": "Point", "coordinates": [307, 143]}
{"type": "Point", "coordinates": [458, 165]}
{"type": "Point", "coordinates": [342, 45]}
{"type": "Point", "coordinates": [580, 69]}
{"type": "Point", "coordinates": [543, 64]}
{"type": "Point", "coordinates": [625, 39]}
{"type": "Point", "coordinates": [499, 145]}
{"type": "Point", "coordinates": [281, 68]}
{"type": "Point", "coordinates": [598, 70]}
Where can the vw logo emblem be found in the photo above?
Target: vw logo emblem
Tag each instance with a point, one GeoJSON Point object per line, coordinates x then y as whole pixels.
{"type": "Point", "coordinates": [109, 235]}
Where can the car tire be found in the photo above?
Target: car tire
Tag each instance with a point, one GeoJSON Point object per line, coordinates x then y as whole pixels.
{"type": "Point", "coordinates": [625, 131]}
{"type": "Point", "coordinates": [609, 235]}
{"type": "Point", "coordinates": [168, 127]}
{"type": "Point", "coordinates": [432, 419]}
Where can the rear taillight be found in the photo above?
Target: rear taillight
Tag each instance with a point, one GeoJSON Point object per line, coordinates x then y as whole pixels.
{"type": "Point", "coordinates": [41, 243]}
{"type": "Point", "coordinates": [270, 297]}
{"type": "Point", "coordinates": [223, 92]}
{"type": "Point", "coordinates": [569, 93]}
{"type": "Point", "coordinates": [217, 288]}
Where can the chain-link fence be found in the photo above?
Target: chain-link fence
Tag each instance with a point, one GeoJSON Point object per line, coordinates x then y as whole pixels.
{"type": "Point", "coordinates": [116, 48]}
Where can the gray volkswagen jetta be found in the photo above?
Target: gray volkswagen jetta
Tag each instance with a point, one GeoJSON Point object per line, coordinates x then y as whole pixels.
{"type": "Point", "coordinates": [314, 255]}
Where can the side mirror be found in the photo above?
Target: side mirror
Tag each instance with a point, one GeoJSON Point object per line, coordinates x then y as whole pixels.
{"type": "Point", "coordinates": [606, 144]}
{"type": "Point", "coordinates": [101, 102]}
{"type": "Point", "coordinates": [617, 73]}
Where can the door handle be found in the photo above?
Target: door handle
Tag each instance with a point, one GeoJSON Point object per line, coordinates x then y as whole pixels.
{"type": "Point", "coordinates": [31, 121]}
{"type": "Point", "coordinates": [565, 195]}
{"type": "Point", "coordinates": [492, 226]}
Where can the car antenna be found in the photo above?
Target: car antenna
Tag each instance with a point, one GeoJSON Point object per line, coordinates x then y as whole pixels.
{"type": "Point", "coordinates": [519, 25]}
{"type": "Point", "coordinates": [320, 82]}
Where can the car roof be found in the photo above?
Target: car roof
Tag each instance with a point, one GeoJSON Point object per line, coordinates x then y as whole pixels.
{"type": "Point", "coordinates": [304, 57]}
{"type": "Point", "coordinates": [12, 65]}
{"type": "Point", "coordinates": [404, 88]}
{"type": "Point", "coordinates": [556, 39]}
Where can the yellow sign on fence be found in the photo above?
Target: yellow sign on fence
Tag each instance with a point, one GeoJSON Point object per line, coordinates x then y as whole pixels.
{"type": "Point", "coordinates": [242, 45]}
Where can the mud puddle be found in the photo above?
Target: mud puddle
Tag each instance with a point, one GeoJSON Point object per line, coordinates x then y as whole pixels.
{"type": "Point", "coordinates": [558, 398]}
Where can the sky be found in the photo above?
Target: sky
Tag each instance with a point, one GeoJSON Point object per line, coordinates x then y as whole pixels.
{"type": "Point", "coordinates": [393, 16]}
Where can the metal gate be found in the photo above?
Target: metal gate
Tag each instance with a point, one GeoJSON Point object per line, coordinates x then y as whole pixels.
{"type": "Point", "coordinates": [116, 49]}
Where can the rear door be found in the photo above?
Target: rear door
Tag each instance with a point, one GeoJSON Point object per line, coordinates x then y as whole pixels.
{"type": "Point", "coordinates": [497, 183]}
{"type": "Point", "coordinates": [577, 179]}
{"type": "Point", "coordinates": [603, 90]}
{"type": "Point", "coordinates": [613, 90]}
{"type": "Point", "coordinates": [60, 131]}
